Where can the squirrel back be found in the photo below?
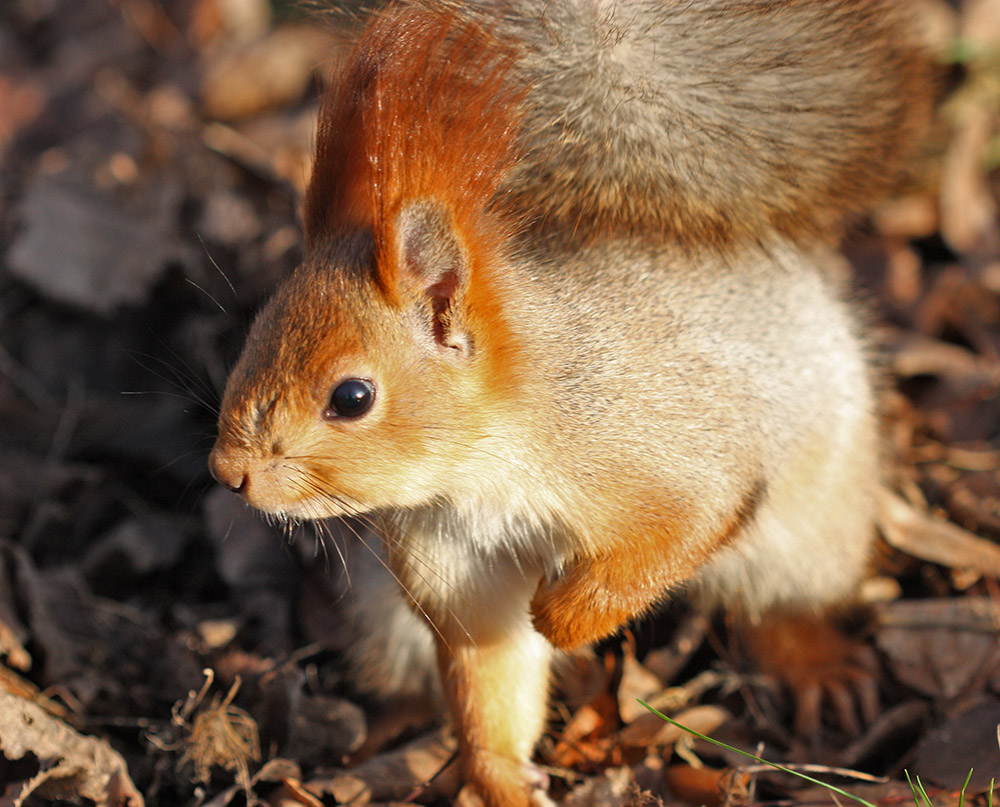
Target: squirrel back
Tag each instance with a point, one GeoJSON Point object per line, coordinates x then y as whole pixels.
{"type": "Point", "coordinates": [703, 123]}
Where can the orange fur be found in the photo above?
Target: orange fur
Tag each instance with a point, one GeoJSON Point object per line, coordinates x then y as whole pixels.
{"type": "Point", "coordinates": [642, 557]}
{"type": "Point", "coordinates": [478, 683]}
{"type": "Point", "coordinates": [426, 109]}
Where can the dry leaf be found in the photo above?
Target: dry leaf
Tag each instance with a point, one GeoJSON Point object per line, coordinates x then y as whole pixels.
{"type": "Point", "coordinates": [425, 765]}
{"type": "Point", "coordinates": [636, 682]}
{"type": "Point", "coordinates": [92, 249]}
{"type": "Point", "coordinates": [943, 648]}
{"type": "Point", "coordinates": [914, 354]}
{"type": "Point", "coordinates": [965, 741]}
{"type": "Point", "coordinates": [653, 730]}
{"type": "Point", "coordinates": [613, 789]}
{"type": "Point", "coordinates": [219, 734]}
{"type": "Point", "coordinates": [580, 742]}
{"type": "Point", "coordinates": [707, 786]}
{"type": "Point", "coordinates": [932, 539]}
{"type": "Point", "coordinates": [269, 73]}
{"type": "Point", "coordinates": [72, 766]}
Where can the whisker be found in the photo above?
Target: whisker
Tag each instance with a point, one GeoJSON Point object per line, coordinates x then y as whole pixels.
{"type": "Point", "coordinates": [207, 294]}
{"type": "Point", "coordinates": [218, 269]}
{"type": "Point", "coordinates": [181, 371]}
{"type": "Point", "coordinates": [413, 599]}
{"type": "Point", "coordinates": [317, 525]}
{"type": "Point", "coordinates": [194, 452]}
{"type": "Point", "coordinates": [321, 529]}
{"type": "Point", "coordinates": [413, 550]}
{"type": "Point", "coordinates": [183, 381]}
{"type": "Point", "coordinates": [319, 487]}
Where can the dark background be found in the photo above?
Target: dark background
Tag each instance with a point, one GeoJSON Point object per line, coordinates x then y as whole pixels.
{"type": "Point", "coordinates": [152, 157]}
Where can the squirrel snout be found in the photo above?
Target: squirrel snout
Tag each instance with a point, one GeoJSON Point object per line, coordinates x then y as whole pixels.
{"type": "Point", "coordinates": [227, 470]}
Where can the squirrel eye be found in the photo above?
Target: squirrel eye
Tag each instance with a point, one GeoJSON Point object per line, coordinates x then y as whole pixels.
{"type": "Point", "coordinates": [351, 398]}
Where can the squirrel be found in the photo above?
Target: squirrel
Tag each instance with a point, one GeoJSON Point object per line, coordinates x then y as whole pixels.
{"type": "Point", "coordinates": [571, 332]}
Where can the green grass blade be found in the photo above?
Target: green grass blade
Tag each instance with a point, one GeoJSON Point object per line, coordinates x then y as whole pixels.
{"type": "Point", "coordinates": [755, 758]}
{"type": "Point", "coordinates": [920, 797]}
{"type": "Point", "coordinates": [961, 795]}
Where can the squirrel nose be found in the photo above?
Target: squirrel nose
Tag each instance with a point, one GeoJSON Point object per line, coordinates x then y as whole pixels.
{"type": "Point", "coordinates": [227, 472]}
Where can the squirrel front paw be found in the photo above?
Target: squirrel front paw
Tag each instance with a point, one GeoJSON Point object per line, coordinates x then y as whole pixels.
{"type": "Point", "coordinates": [510, 784]}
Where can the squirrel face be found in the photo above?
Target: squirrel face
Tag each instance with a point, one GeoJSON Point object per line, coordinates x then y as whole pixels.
{"type": "Point", "coordinates": [360, 388]}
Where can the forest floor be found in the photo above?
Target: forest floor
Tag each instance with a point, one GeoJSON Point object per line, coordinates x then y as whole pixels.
{"type": "Point", "coordinates": [160, 643]}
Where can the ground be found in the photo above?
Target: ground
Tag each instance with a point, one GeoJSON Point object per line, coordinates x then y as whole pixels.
{"type": "Point", "coordinates": [157, 639]}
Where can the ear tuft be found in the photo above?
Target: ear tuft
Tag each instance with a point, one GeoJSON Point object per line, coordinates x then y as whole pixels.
{"type": "Point", "coordinates": [434, 269]}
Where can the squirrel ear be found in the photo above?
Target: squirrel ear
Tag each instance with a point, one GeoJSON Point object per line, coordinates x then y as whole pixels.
{"type": "Point", "coordinates": [434, 265]}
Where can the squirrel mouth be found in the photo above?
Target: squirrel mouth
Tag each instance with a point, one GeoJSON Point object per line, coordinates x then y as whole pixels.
{"type": "Point", "coordinates": [312, 508]}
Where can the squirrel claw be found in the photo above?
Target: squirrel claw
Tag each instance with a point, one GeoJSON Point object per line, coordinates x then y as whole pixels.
{"type": "Point", "coordinates": [820, 666]}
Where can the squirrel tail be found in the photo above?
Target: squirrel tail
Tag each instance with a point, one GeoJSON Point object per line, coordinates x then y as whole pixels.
{"type": "Point", "coordinates": [717, 120]}
{"type": "Point", "coordinates": [701, 123]}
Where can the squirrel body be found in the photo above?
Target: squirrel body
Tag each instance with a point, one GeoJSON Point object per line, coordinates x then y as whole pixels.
{"type": "Point", "coordinates": [570, 330]}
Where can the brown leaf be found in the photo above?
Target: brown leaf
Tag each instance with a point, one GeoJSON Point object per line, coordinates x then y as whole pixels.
{"type": "Point", "coordinates": [72, 766]}
{"type": "Point", "coordinates": [613, 789]}
{"type": "Point", "coordinates": [943, 648]}
{"type": "Point", "coordinates": [93, 249]}
{"type": "Point", "coordinates": [581, 740]}
{"type": "Point", "coordinates": [636, 682]}
{"type": "Point", "coordinates": [650, 729]}
{"type": "Point", "coordinates": [21, 102]}
{"type": "Point", "coordinates": [932, 539]}
{"type": "Point", "coordinates": [25, 594]}
{"type": "Point", "coordinates": [666, 662]}
{"type": "Point", "coordinates": [325, 728]}
{"type": "Point", "coordinates": [707, 786]}
{"type": "Point", "coordinates": [914, 354]}
{"type": "Point", "coordinates": [894, 792]}
{"type": "Point", "coordinates": [266, 74]}
{"type": "Point", "coordinates": [966, 741]}
{"type": "Point", "coordinates": [295, 793]}
{"type": "Point", "coordinates": [425, 765]}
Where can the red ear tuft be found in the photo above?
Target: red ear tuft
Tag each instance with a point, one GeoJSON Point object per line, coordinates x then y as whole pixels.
{"type": "Point", "coordinates": [427, 109]}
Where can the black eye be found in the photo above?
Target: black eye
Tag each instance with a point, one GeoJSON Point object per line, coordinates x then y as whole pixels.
{"type": "Point", "coordinates": [351, 398]}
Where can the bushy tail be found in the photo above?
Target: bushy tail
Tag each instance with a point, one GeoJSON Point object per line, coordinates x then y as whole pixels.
{"type": "Point", "coordinates": [700, 122]}
{"type": "Point", "coordinates": [716, 120]}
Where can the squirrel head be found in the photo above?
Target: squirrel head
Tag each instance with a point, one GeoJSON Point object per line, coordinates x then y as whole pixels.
{"type": "Point", "coordinates": [359, 388]}
{"type": "Point", "coordinates": [366, 380]}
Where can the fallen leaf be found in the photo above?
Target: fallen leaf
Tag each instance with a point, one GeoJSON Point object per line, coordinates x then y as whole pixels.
{"type": "Point", "coordinates": [71, 766]}
{"type": "Point", "coordinates": [425, 766]}
{"type": "Point", "coordinates": [91, 249]}
{"type": "Point", "coordinates": [915, 354]}
{"type": "Point", "coordinates": [268, 73]}
{"type": "Point", "coordinates": [614, 789]}
{"type": "Point", "coordinates": [652, 730]}
{"type": "Point", "coordinates": [636, 682]}
{"type": "Point", "coordinates": [583, 740]}
{"type": "Point", "coordinates": [708, 786]}
{"type": "Point", "coordinates": [964, 742]}
{"type": "Point", "coordinates": [943, 648]}
{"type": "Point", "coordinates": [935, 540]}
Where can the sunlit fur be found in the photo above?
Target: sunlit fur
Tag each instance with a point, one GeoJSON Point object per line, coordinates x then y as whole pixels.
{"type": "Point", "coordinates": [595, 381]}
